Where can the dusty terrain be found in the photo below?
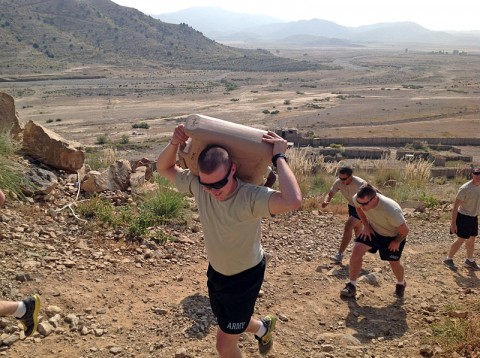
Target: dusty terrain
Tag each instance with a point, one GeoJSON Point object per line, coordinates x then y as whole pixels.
{"type": "Point", "coordinates": [364, 92]}
{"type": "Point", "coordinates": [146, 300]}
{"type": "Point", "coordinates": [132, 300]}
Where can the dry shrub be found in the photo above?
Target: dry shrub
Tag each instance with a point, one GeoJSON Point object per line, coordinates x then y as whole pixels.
{"type": "Point", "coordinates": [102, 159]}
{"type": "Point", "coordinates": [458, 335]}
{"type": "Point", "coordinates": [418, 171]}
{"type": "Point", "coordinates": [302, 164]}
{"type": "Point", "coordinates": [311, 203]}
{"type": "Point", "coordinates": [328, 167]}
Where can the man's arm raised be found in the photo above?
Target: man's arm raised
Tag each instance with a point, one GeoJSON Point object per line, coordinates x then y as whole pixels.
{"type": "Point", "coordinates": [166, 162]}
{"type": "Point", "coordinates": [289, 197]}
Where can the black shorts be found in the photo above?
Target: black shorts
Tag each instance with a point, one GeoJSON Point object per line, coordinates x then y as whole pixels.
{"type": "Point", "coordinates": [353, 212]}
{"type": "Point", "coordinates": [380, 243]}
{"type": "Point", "coordinates": [466, 226]}
{"type": "Point", "coordinates": [233, 298]}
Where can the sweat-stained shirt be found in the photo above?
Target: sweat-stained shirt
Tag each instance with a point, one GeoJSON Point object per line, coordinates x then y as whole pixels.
{"type": "Point", "coordinates": [469, 195]}
{"type": "Point", "coordinates": [232, 227]}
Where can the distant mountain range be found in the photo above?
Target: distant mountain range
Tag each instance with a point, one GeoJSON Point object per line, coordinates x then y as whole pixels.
{"type": "Point", "coordinates": [231, 27]}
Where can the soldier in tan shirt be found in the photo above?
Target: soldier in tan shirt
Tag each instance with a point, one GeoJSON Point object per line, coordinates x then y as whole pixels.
{"type": "Point", "coordinates": [384, 230]}
{"type": "Point", "coordinates": [465, 221]}
{"type": "Point", "coordinates": [348, 184]}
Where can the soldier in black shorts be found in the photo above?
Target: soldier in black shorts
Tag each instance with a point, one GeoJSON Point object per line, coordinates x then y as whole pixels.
{"type": "Point", "coordinates": [230, 211]}
{"type": "Point", "coordinates": [348, 184]}
{"type": "Point", "coordinates": [465, 221]}
{"type": "Point", "coordinates": [384, 230]}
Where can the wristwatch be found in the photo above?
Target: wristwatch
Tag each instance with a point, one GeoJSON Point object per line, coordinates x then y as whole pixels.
{"type": "Point", "coordinates": [278, 155]}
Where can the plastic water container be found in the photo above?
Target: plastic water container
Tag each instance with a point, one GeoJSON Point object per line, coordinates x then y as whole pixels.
{"type": "Point", "coordinates": [251, 155]}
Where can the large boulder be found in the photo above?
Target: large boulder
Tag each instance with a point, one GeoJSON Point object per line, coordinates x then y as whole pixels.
{"type": "Point", "coordinates": [94, 182]}
{"type": "Point", "coordinates": [116, 177]}
{"type": "Point", "coordinates": [51, 149]}
{"type": "Point", "coordinates": [9, 120]}
{"type": "Point", "coordinates": [119, 175]}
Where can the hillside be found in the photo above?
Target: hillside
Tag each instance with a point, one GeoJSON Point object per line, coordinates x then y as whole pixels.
{"type": "Point", "coordinates": [103, 296]}
{"type": "Point", "coordinates": [57, 34]}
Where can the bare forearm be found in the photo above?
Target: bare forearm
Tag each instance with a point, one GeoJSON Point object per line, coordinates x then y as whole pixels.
{"type": "Point", "coordinates": [288, 183]}
{"type": "Point", "coordinates": [363, 217]}
{"type": "Point", "coordinates": [402, 232]}
{"type": "Point", "coordinates": [166, 162]}
{"type": "Point", "coordinates": [455, 212]}
{"type": "Point", "coordinates": [327, 198]}
{"type": "Point", "coordinates": [399, 238]}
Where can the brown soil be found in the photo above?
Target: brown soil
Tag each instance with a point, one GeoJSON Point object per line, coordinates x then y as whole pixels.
{"type": "Point", "coordinates": [151, 301]}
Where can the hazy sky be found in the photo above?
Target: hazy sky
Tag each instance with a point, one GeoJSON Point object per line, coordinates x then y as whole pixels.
{"type": "Point", "coordinates": [458, 15]}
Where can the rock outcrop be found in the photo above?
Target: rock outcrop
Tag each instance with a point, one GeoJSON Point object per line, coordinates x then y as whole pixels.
{"type": "Point", "coordinates": [49, 148]}
{"type": "Point", "coordinates": [9, 120]}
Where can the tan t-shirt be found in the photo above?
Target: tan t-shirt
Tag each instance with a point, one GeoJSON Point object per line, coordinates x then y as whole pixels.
{"type": "Point", "coordinates": [232, 227]}
{"type": "Point", "coordinates": [469, 195]}
{"type": "Point", "coordinates": [386, 217]}
{"type": "Point", "coordinates": [348, 191]}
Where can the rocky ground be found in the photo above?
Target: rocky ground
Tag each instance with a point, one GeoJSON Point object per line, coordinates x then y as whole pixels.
{"type": "Point", "coordinates": [103, 297]}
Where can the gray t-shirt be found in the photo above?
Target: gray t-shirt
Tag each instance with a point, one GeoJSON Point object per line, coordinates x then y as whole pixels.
{"type": "Point", "coordinates": [386, 217]}
{"type": "Point", "coordinates": [348, 191]}
{"type": "Point", "coordinates": [469, 195]}
{"type": "Point", "coordinates": [232, 227]}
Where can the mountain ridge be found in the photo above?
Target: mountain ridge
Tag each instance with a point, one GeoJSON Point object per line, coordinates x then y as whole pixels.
{"type": "Point", "coordinates": [277, 32]}
{"type": "Point", "coordinates": [56, 34]}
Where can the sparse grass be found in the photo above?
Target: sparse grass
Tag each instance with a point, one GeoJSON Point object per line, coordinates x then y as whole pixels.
{"type": "Point", "coordinates": [165, 206]}
{"type": "Point", "coordinates": [11, 177]}
{"type": "Point", "coordinates": [460, 335]}
{"type": "Point", "coordinates": [125, 139]}
{"type": "Point", "coordinates": [396, 179]}
{"type": "Point", "coordinates": [102, 159]}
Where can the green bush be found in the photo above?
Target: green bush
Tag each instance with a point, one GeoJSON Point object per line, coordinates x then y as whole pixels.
{"type": "Point", "coordinates": [102, 139]}
{"type": "Point", "coordinates": [429, 200]}
{"type": "Point", "coordinates": [125, 139]}
{"type": "Point", "coordinates": [143, 125]}
{"type": "Point", "coordinates": [11, 176]}
{"type": "Point", "coordinates": [164, 206]}
{"type": "Point", "coordinates": [100, 209]}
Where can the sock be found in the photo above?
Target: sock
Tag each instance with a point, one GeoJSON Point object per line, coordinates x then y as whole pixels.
{"type": "Point", "coordinates": [448, 258]}
{"type": "Point", "coordinates": [470, 260]}
{"type": "Point", "coordinates": [261, 331]}
{"type": "Point", "coordinates": [353, 283]}
{"type": "Point", "coordinates": [401, 283]}
{"type": "Point", "coordinates": [21, 310]}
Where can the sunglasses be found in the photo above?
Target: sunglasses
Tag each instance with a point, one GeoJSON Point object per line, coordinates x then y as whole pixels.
{"type": "Point", "coordinates": [343, 179]}
{"type": "Point", "coordinates": [368, 202]}
{"type": "Point", "coordinates": [219, 184]}
{"type": "Point", "coordinates": [476, 173]}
